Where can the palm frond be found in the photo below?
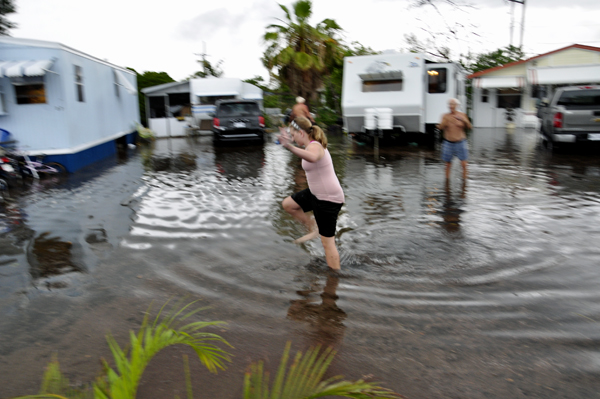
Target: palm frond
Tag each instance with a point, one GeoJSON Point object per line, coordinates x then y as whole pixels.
{"type": "Point", "coordinates": [56, 385]}
{"type": "Point", "coordinates": [302, 10]}
{"type": "Point", "coordinates": [304, 380]}
{"type": "Point", "coordinates": [304, 61]}
{"type": "Point", "coordinates": [165, 331]}
{"type": "Point", "coordinates": [271, 37]}
{"type": "Point", "coordinates": [329, 25]}
{"type": "Point", "coordinates": [286, 11]}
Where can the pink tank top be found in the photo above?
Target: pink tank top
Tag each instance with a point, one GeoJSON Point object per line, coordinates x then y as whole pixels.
{"type": "Point", "coordinates": [322, 181]}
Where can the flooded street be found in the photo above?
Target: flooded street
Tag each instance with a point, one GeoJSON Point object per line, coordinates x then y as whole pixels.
{"type": "Point", "coordinates": [488, 289]}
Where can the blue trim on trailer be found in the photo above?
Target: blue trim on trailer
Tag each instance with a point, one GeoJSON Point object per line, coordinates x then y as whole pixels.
{"type": "Point", "coordinates": [74, 162]}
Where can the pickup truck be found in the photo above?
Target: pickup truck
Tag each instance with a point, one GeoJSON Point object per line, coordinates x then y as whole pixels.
{"type": "Point", "coordinates": [572, 115]}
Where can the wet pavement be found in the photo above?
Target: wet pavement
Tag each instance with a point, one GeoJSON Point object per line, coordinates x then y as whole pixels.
{"type": "Point", "coordinates": [483, 289]}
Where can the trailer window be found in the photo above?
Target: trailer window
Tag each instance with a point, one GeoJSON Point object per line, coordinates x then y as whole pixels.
{"type": "Point", "coordinates": [79, 83]}
{"type": "Point", "coordinates": [509, 98]}
{"type": "Point", "coordinates": [157, 107]}
{"type": "Point", "coordinates": [29, 90]}
{"type": "Point", "coordinates": [437, 79]}
{"type": "Point", "coordinates": [484, 95]}
{"type": "Point", "coordinates": [117, 84]}
{"type": "Point", "coordinates": [382, 85]}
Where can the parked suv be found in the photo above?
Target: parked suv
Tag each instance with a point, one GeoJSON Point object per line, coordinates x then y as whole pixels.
{"type": "Point", "coordinates": [572, 115]}
{"type": "Point", "coordinates": [238, 120]}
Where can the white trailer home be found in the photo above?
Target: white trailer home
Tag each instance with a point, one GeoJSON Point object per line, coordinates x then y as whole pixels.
{"type": "Point", "coordinates": [521, 86]}
{"type": "Point", "coordinates": [65, 104]}
{"type": "Point", "coordinates": [412, 88]}
{"type": "Point", "coordinates": [172, 108]}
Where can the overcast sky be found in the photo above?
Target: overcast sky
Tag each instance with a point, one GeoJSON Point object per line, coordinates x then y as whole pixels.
{"type": "Point", "coordinates": [168, 36]}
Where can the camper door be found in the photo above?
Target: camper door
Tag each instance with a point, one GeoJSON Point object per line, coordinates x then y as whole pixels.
{"type": "Point", "coordinates": [443, 82]}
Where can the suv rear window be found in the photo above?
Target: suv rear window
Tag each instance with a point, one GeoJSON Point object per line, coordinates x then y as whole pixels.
{"type": "Point", "coordinates": [580, 99]}
{"type": "Point", "coordinates": [238, 109]}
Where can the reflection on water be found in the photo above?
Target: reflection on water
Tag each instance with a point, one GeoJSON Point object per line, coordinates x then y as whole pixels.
{"type": "Point", "coordinates": [483, 289]}
{"type": "Point", "coordinates": [452, 207]}
{"type": "Point", "coordinates": [318, 307]}
{"type": "Point", "coordinates": [52, 257]}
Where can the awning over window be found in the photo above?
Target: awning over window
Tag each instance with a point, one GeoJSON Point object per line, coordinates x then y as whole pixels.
{"type": "Point", "coordinates": [581, 74]}
{"type": "Point", "coordinates": [17, 69]}
{"type": "Point", "coordinates": [122, 81]}
{"type": "Point", "coordinates": [501, 82]}
{"type": "Point", "coordinates": [388, 75]}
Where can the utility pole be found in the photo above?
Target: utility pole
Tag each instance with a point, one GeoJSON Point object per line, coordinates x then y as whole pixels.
{"type": "Point", "coordinates": [203, 55]}
{"type": "Point", "coordinates": [512, 21]}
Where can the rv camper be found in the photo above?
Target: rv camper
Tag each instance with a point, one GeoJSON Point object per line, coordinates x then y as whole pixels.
{"type": "Point", "coordinates": [397, 94]}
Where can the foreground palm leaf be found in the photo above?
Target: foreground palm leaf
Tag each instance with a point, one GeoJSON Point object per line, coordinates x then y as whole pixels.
{"type": "Point", "coordinates": [122, 383]}
{"type": "Point", "coordinates": [304, 380]}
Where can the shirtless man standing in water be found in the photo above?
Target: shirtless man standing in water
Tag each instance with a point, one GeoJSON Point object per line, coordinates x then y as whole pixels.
{"type": "Point", "coordinates": [300, 109]}
{"type": "Point", "coordinates": [454, 144]}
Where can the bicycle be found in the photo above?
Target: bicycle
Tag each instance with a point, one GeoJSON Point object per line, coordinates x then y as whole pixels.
{"type": "Point", "coordinates": [4, 194]}
{"type": "Point", "coordinates": [36, 168]}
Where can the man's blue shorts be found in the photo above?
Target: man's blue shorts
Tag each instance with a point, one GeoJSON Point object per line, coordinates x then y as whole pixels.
{"type": "Point", "coordinates": [457, 149]}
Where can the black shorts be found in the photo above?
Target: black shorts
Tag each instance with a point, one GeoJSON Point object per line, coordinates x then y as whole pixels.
{"type": "Point", "coordinates": [325, 212]}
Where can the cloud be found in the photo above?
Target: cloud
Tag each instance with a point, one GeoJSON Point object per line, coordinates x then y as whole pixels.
{"type": "Point", "coordinates": [209, 24]}
{"type": "Point", "coordinates": [230, 21]}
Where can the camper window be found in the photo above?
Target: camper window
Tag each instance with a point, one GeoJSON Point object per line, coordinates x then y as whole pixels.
{"type": "Point", "coordinates": [382, 85]}
{"type": "Point", "coordinates": [79, 83]}
{"type": "Point", "coordinates": [437, 80]}
{"type": "Point", "coordinates": [29, 90]}
{"type": "Point", "coordinates": [509, 98]}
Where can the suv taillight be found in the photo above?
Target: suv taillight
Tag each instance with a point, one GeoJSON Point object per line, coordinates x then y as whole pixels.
{"type": "Point", "coordinates": [216, 122]}
{"type": "Point", "coordinates": [4, 160]}
{"type": "Point", "coordinates": [261, 121]}
{"type": "Point", "coordinates": [558, 120]}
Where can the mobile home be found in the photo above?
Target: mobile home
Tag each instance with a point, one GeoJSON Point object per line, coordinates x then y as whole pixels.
{"type": "Point", "coordinates": [173, 108]}
{"type": "Point", "coordinates": [516, 89]}
{"type": "Point", "coordinates": [408, 92]}
{"type": "Point", "coordinates": [63, 103]}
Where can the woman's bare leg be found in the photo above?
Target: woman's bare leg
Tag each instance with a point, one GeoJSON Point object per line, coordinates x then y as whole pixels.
{"type": "Point", "coordinates": [332, 256]}
{"type": "Point", "coordinates": [296, 211]}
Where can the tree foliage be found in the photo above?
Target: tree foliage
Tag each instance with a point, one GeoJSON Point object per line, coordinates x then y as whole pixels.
{"type": "Point", "coordinates": [208, 69]}
{"type": "Point", "coordinates": [306, 60]}
{"type": "Point", "coordinates": [429, 46]}
{"type": "Point", "coordinates": [496, 58]}
{"type": "Point", "coordinates": [6, 7]}
{"type": "Point", "coordinates": [148, 79]}
{"type": "Point", "coordinates": [299, 55]}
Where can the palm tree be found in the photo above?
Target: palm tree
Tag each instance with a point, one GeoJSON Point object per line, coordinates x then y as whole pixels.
{"type": "Point", "coordinates": [6, 7]}
{"type": "Point", "coordinates": [300, 55]}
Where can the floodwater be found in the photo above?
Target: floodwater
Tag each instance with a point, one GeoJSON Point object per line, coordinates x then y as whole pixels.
{"type": "Point", "coordinates": [488, 288]}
